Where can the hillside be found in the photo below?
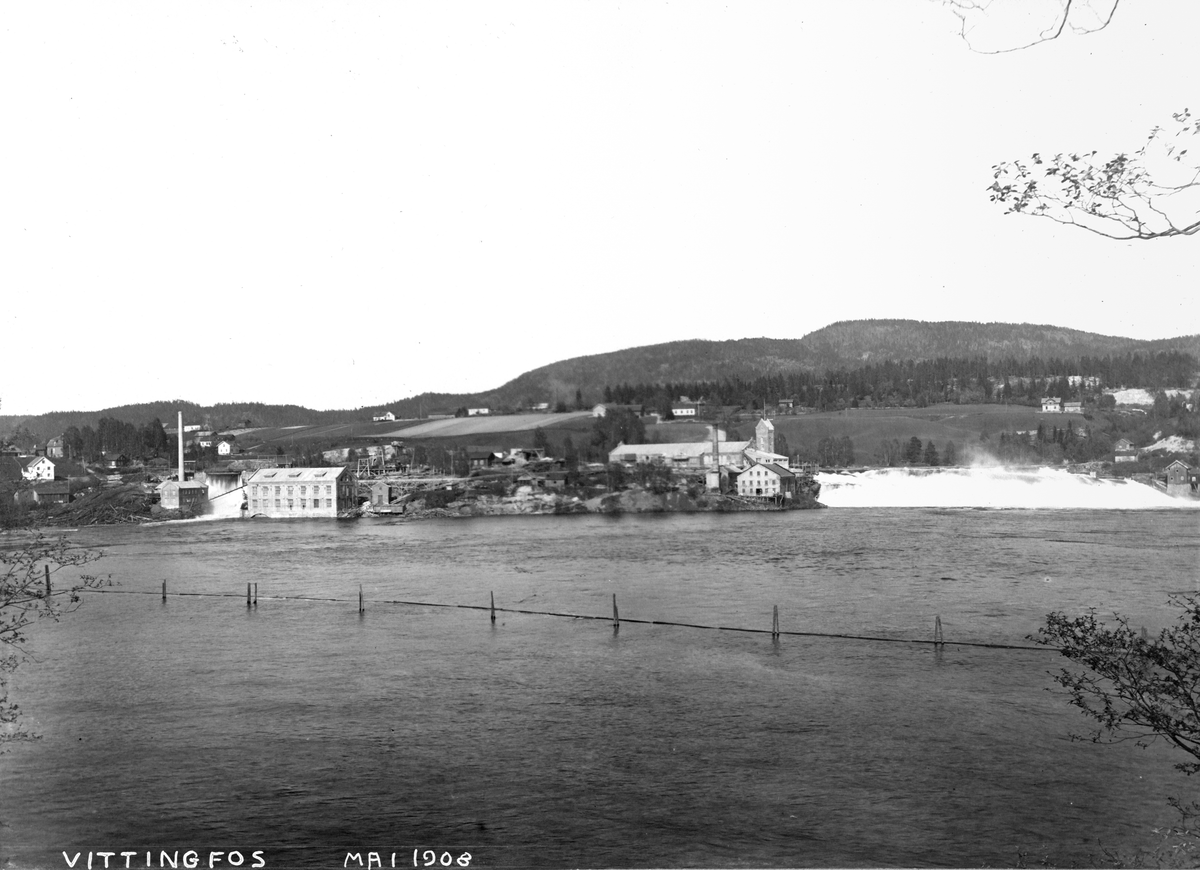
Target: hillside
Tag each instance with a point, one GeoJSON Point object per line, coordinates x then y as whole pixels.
{"type": "Point", "coordinates": [843, 345]}
{"type": "Point", "coordinates": [847, 344]}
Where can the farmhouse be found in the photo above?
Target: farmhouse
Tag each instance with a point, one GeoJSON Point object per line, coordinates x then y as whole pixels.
{"type": "Point", "coordinates": [1124, 451]}
{"type": "Point", "coordinates": [36, 468]}
{"type": "Point", "coordinates": [301, 492]}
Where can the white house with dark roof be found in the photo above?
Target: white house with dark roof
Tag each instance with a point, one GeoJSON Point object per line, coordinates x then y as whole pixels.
{"type": "Point", "coordinates": [767, 480]}
{"type": "Point", "coordinates": [301, 492]}
{"type": "Point", "coordinates": [36, 467]}
{"type": "Point", "coordinates": [1124, 451]}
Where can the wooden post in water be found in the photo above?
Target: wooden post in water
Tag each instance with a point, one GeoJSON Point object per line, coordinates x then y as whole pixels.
{"type": "Point", "coordinates": [937, 631]}
{"type": "Point", "coordinates": [47, 569]}
{"type": "Point", "coordinates": [616, 618]}
{"type": "Point", "coordinates": [256, 595]}
{"type": "Point", "coordinates": [164, 590]}
{"type": "Point", "coordinates": [247, 594]}
{"type": "Point", "coordinates": [775, 624]}
{"type": "Point", "coordinates": [361, 609]}
{"type": "Point", "coordinates": [493, 594]}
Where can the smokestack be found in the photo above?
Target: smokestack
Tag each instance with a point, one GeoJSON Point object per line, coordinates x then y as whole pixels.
{"type": "Point", "coordinates": [180, 439]}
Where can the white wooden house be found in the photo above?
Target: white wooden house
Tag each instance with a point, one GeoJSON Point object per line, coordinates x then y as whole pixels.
{"type": "Point", "coordinates": [766, 479]}
{"type": "Point", "coordinates": [36, 468]}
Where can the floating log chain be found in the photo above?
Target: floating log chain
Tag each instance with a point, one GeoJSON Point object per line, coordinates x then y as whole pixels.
{"type": "Point", "coordinates": [937, 640]}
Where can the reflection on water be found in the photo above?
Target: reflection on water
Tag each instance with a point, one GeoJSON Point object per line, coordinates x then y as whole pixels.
{"type": "Point", "coordinates": [306, 730]}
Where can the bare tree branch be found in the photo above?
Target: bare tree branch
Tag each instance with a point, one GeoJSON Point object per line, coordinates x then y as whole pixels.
{"type": "Point", "coordinates": [1014, 25]}
{"type": "Point", "coordinates": [31, 590]}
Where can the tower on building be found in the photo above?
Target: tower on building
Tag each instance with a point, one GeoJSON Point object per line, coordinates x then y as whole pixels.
{"type": "Point", "coordinates": [764, 436]}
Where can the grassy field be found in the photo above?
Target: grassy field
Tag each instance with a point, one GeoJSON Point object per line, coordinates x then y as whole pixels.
{"type": "Point", "coordinates": [513, 430]}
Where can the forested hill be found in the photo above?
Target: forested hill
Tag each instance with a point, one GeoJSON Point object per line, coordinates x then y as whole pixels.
{"type": "Point", "coordinates": [840, 346]}
{"type": "Point", "coordinates": [222, 417]}
{"type": "Point", "coordinates": [843, 346]}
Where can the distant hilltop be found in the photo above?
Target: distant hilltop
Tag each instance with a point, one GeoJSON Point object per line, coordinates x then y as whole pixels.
{"type": "Point", "coordinates": [845, 345]}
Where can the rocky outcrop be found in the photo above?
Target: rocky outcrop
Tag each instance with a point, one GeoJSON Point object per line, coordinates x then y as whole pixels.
{"type": "Point", "coordinates": [634, 501]}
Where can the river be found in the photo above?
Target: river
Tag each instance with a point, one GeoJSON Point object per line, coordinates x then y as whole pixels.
{"type": "Point", "coordinates": [306, 731]}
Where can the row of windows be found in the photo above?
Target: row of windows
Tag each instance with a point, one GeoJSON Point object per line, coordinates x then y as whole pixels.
{"type": "Point", "coordinates": [264, 504]}
{"type": "Point", "coordinates": [266, 490]}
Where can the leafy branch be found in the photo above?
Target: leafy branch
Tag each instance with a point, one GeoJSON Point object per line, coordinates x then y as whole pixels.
{"type": "Point", "coordinates": [1153, 193]}
{"type": "Point", "coordinates": [1135, 687]}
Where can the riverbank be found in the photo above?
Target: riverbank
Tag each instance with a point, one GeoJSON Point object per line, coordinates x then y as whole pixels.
{"type": "Point", "coordinates": [633, 501]}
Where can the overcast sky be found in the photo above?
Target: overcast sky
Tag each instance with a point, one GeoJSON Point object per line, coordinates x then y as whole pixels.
{"type": "Point", "coordinates": [342, 204]}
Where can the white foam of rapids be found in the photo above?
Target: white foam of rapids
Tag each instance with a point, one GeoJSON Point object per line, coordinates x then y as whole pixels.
{"type": "Point", "coordinates": [989, 487]}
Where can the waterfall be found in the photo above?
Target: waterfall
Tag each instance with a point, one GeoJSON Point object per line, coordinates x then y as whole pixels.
{"type": "Point", "coordinates": [990, 487]}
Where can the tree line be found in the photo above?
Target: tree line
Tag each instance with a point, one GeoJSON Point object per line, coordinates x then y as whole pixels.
{"type": "Point", "coordinates": [114, 436]}
{"type": "Point", "coordinates": [917, 383]}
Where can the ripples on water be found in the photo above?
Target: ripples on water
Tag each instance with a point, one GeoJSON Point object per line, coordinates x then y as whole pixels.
{"type": "Point", "coordinates": [304, 730]}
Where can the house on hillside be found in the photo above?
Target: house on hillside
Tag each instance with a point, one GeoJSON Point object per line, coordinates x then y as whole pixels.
{"type": "Point", "coordinates": [36, 467]}
{"type": "Point", "coordinates": [226, 446]}
{"type": "Point", "coordinates": [1052, 405]}
{"type": "Point", "coordinates": [685, 407]}
{"type": "Point", "coordinates": [115, 462]}
{"type": "Point", "coordinates": [385, 417]}
{"type": "Point", "coordinates": [54, 448]}
{"type": "Point", "coordinates": [483, 457]}
{"type": "Point", "coordinates": [302, 492]}
{"type": "Point", "coordinates": [1124, 451]}
{"type": "Point", "coordinates": [1072, 407]}
{"type": "Point", "coordinates": [478, 412]}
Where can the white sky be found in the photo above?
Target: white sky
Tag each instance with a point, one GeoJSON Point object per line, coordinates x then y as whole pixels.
{"type": "Point", "coordinates": [341, 204]}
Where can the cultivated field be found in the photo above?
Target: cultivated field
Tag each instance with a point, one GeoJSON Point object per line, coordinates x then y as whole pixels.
{"type": "Point", "coordinates": [486, 428]}
{"type": "Point", "coordinates": [463, 427]}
